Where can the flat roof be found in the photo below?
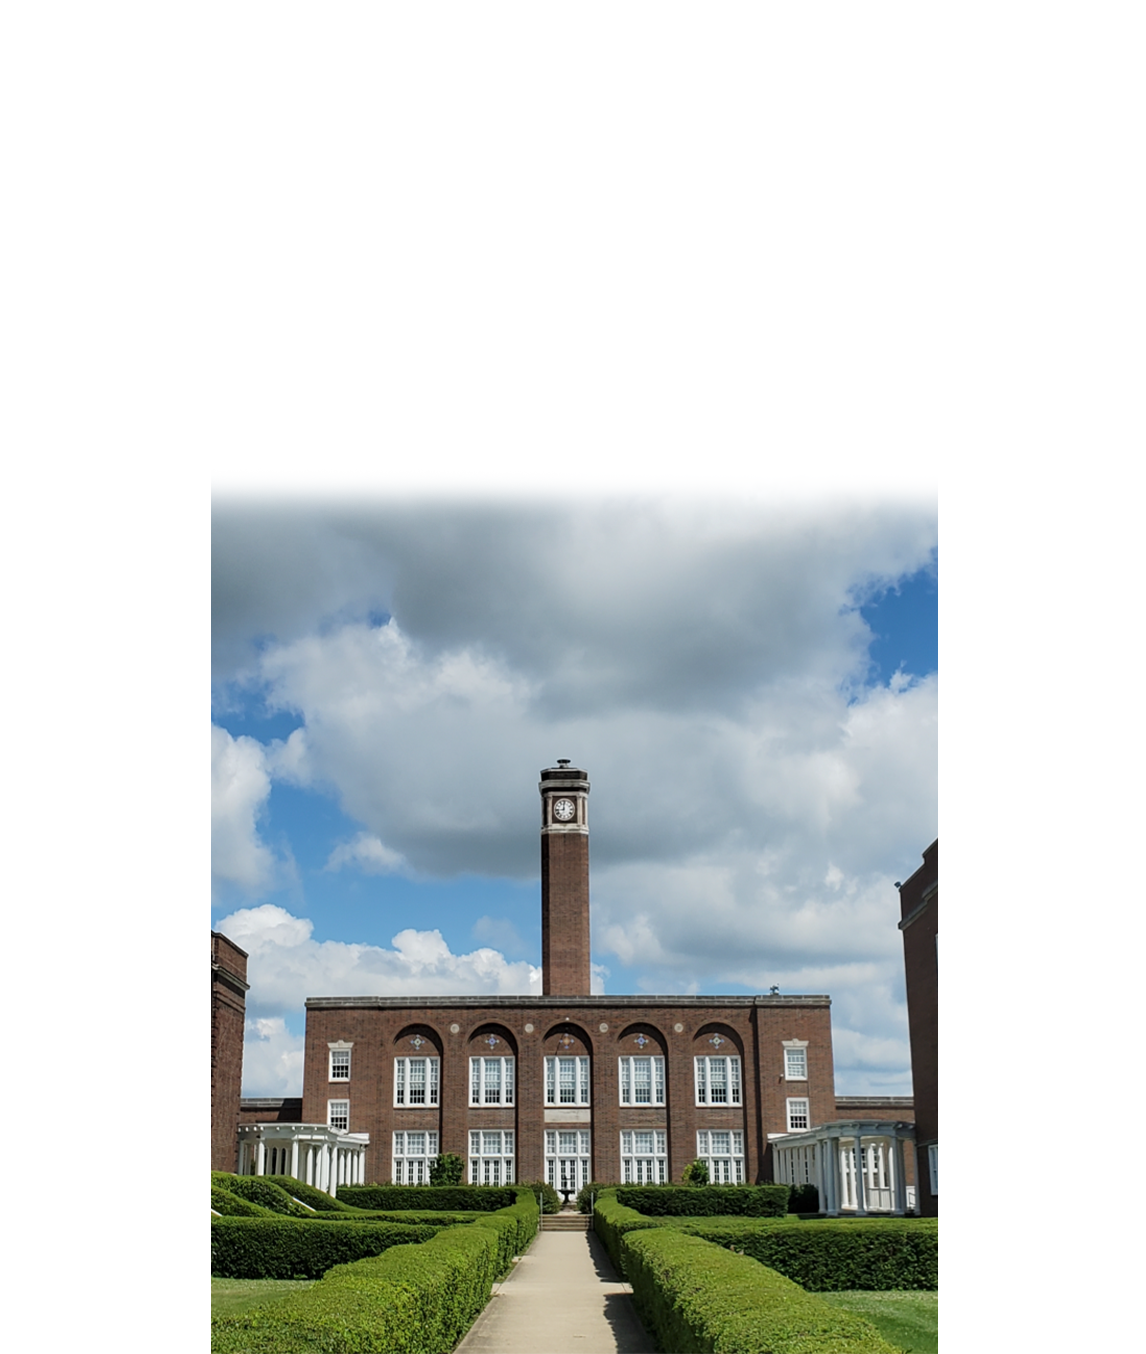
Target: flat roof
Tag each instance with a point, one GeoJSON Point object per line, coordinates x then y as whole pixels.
{"type": "Point", "coordinates": [322, 1003]}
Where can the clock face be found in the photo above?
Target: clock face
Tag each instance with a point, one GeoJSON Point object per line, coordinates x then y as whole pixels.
{"type": "Point", "coordinates": [563, 810]}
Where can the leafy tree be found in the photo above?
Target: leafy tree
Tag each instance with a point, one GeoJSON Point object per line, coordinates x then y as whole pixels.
{"type": "Point", "coordinates": [447, 1168]}
{"type": "Point", "coordinates": [696, 1173]}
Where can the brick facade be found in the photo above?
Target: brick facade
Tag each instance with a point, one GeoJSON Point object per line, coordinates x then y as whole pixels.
{"type": "Point", "coordinates": [228, 1009]}
{"type": "Point", "coordinates": [919, 909]}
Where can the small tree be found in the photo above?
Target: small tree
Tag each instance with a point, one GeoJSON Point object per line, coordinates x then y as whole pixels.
{"type": "Point", "coordinates": [696, 1173]}
{"type": "Point", "coordinates": [447, 1168]}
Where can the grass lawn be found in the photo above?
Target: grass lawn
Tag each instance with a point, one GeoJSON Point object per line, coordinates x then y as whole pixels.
{"type": "Point", "coordinates": [229, 1297]}
{"type": "Point", "coordinates": [909, 1320]}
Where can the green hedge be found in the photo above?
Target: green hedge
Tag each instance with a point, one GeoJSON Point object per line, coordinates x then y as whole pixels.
{"type": "Point", "coordinates": [706, 1201]}
{"type": "Point", "coordinates": [318, 1199]}
{"type": "Point", "coordinates": [258, 1189]}
{"type": "Point", "coordinates": [698, 1299]}
{"type": "Point", "coordinates": [285, 1248]}
{"type": "Point", "coordinates": [804, 1199]}
{"type": "Point", "coordinates": [435, 1218]}
{"type": "Point", "coordinates": [412, 1300]}
{"type": "Point", "coordinates": [231, 1206]}
{"type": "Point", "coordinates": [825, 1255]}
{"type": "Point", "coordinates": [590, 1191]}
{"type": "Point", "coordinates": [456, 1198]}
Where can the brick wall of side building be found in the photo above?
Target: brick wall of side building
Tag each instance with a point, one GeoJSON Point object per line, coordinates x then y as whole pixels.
{"type": "Point", "coordinates": [228, 1008]}
{"type": "Point", "coordinates": [919, 908]}
{"type": "Point", "coordinates": [606, 1029]}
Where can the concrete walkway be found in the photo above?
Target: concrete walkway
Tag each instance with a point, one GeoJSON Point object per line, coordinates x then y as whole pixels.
{"type": "Point", "coordinates": [563, 1297]}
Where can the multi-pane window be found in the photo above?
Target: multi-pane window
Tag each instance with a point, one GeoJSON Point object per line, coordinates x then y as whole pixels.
{"type": "Point", "coordinates": [797, 1115]}
{"type": "Point", "coordinates": [340, 1064]}
{"type": "Point", "coordinates": [642, 1081]}
{"type": "Point", "coordinates": [413, 1153]}
{"type": "Point", "coordinates": [644, 1160]}
{"type": "Point", "coordinates": [933, 1167]}
{"type": "Point", "coordinates": [718, 1081]}
{"type": "Point", "coordinates": [491, 1156]}
{"type": "Point", "coordinates": [723, 1150]}
{"type": "Point", "coordinates": [566, 1081]}
{"type": "Point", "coordinates": [796, 1064]}
{"type": "Point", "coordinates": [567, 1158]}
{"type": "Point", "coordinates": [338, 1115]}
{"type": "Point", "coordinates": [416, 1081]}
{"type": "Point", "coordinates": [491, 1081]}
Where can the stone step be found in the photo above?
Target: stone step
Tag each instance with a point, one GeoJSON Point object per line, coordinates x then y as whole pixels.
{"type": "Point", "coordinates": [565, 1222]}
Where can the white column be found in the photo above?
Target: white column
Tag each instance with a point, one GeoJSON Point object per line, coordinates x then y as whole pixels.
{"type": "Point", "coordinates": [294, 1158]}
{"type": "Point", "coordinates": [898, 1183]}
{"type": "Point", "coordinates": [261, 1159]}
{"type": "Point", "coordinates": [861, 1198]}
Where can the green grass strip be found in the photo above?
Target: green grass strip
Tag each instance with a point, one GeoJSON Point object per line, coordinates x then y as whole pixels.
{"type": "Point", "coordinates": [909, 1320]}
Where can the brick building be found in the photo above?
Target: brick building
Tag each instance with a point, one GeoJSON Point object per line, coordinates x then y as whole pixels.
{"type": "Point", "coordinates": [568, 1086]}
{"type": "Point", "coordinates": [228, 1010]}
{"type": "Point", "coordinates": [919, 922]}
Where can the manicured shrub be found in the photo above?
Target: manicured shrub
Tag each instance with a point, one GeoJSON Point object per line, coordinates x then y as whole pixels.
{"type": "Point", "coordinates": [258, 1189]}
{"type": "Point", "coordinates": [458, 1198]}
{"type": "Point", "coordinates": [284, 1248]}
{"type": "Point", "coordinates": [804, 1199]}
{"type": "Point", "coordinates": [447, 1168]}
{"type": "Point", "coordinates": [411, 1300]}
{"type": "Point", "coordinates": [666, 1201]}
{"type": "Point", "coordinates": [318, 1199]}
{"type": "Point", "coordinates": [229, 1205]}
{"type": "Point", "coordinates": [695, 1173]}
{"type": "Point", "coordinates": [550, 1199]}
{"type": "Point", "coordinates": [695, 1297]}
{"type": "Point", "coordinates": [589, 1192]}
{"type": "Point", "coordinates": [611, 1220]}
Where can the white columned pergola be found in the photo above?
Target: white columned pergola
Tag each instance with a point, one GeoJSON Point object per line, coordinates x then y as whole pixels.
{"type": "Point", "coordinates": [318, 1155]}
{"type": "Point", "coordinates": [856, 1164]}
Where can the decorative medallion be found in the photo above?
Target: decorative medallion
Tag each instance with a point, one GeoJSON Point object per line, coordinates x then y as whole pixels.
{"type": "Point", "coordinates": [641, 1040]}
{"type": "Point", "coordinates": [529, 1029]}
{"type": "Point", "coordinates": [678, 1028]}
{"type": "Point", "coordinates": [717, 1040]}
{"type": "Point", "coordinates": [604, 1027]}
{"type": "Point", "coordinates": [455, 1029]}
{"type": "Point", "coordinates": [492, 1040]}
{"type": "Point", "coordinates": [417, 1041]}
{"type": "Point", "coordinates": [566, 1041]}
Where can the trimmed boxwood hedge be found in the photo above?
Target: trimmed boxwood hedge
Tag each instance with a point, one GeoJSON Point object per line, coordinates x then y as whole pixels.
{"type": "Point", "coordinates": [825, 1255]}
{"type": "Point", "coordinates": [318, 1199]}
{"type": "Point", "coordinates": [706, 1201]}
{"type": "Point", "coordinates": [231, 1206]}
{"type": "Point", "coordinates": [410, 1300]}
{"type": "Point", "coordinates": [455, 1198]}
{"type": "Point", "coordinates": [286, 1248]}
{"type": "Point", "coordinates": [698, 1299]}
{"type": "Point", "coordinates": [258, 1189]}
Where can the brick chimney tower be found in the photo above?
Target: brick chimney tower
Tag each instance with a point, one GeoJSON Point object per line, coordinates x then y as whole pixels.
{"type": "Point", "coordinates": [564, 881]}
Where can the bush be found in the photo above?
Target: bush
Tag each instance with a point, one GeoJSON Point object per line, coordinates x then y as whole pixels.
{"type": "Point", "coordinates": [589, 1192]}
{"type": "Point", "coordinates": [447, 1168]}
{"type": "Point", "coordinates": [611, 1220]}
{"type": "Point", "coordinates": [550, 1199]}
{"type": "Point", "coordinates": [666, 1201]}
{"type": "Point", "coordinates": [456, 1198]}
{"type": "Point", "coordinates": [258, 1189]}
{"type": "Point", "coordinates": [283, 1248]}
{"type": "Point", "coordinates": [696, 1173]}
{"type": "Point", "coordinates": [804, 1199]}
{"type": "Point", "coordinates": [411, 1300]}
{"type": "Point", "coordinates": [694, 1297]}
{"type": "Point", "coordinates": [229, 1205]}
{"type": "Point", "coordinates": [318, 1199]}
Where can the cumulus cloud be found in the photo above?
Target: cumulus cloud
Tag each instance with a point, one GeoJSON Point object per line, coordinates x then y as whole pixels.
{"type": "Point", "coordinates": [367, 853]}
{"type": "Point", "coordinates": [272, 1058]}
{"type": "Point", "coordinates": [287, 965]}
{"type": "Point", "coordinates": [240, 785]}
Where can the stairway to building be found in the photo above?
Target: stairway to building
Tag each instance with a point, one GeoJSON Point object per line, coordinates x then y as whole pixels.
{"type": "Point", "coordinates": [565, 1222]}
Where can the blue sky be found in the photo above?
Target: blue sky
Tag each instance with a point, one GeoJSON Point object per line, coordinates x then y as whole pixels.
{"type": "Point", "coordinates": [329, 622]}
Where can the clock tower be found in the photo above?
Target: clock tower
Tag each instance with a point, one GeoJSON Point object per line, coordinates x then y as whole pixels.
{"type": "Point", "coordinates": [564, 881]}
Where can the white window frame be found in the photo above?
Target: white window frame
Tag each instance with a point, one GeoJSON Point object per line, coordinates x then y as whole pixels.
{"type": "Point", "coordinates": [795, 1060]}
{"type": "Point", "coordinates": [403, 1082]}
{"type": "Point", "coordinates": [627, 1079]}
{"type": "Point", "coordinates": [725, 1164]}
{"type": "Point", "coordinates": [413, 1167]}
{"type": "Point", "coordinates": [338, 1109]}
{"type": "Point", "coordinates": [933, 1167]}
{"type": "Point", "coordinates": [491, 1167]}
{"type": "Point", "coordinates": [640, 1166]}
{"type": "Point", "coordinates": [703, 1066]}
{"type": "Point", "coordinates": [335, 1070]}
{"type": "Point", "coordinates": [798, 1106]}
{"type": "Point", "coordinates": [481, 1087]}
{"type": "Point", "coordinates": [554, 1083]}
{"type": "Point", "coordinates": [559, 1159]}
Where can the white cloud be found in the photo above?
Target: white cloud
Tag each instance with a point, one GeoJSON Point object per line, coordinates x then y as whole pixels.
{"type": "Point", "coordinates": [286, 965]}
{"type": "Point", "coordinates": [272, 1058]}
{"type": "Point", "coordinates": [367, 853]}
{"type": "Point", "coordinates": [240, 785]}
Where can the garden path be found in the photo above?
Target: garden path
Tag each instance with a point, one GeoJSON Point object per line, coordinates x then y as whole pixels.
{"type": "Point", "coordinates": [563, 1297]}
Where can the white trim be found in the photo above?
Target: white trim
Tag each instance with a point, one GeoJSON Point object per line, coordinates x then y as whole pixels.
{"type": "Point", "coordinates": [798, 1105]}
{"type": "Point", "coordinates": [627, 1079]}
{"type": "Point", "coordinates": [732, 1083]}
{"type": "Point", "coordinates": [338, 1128]}
{"type": "Point", "coordinates": [582, 1074]}
{"type": "Point", "coordinates": [481, 1086]}
{"type": "Point", "coordinates": [430, 1085]}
